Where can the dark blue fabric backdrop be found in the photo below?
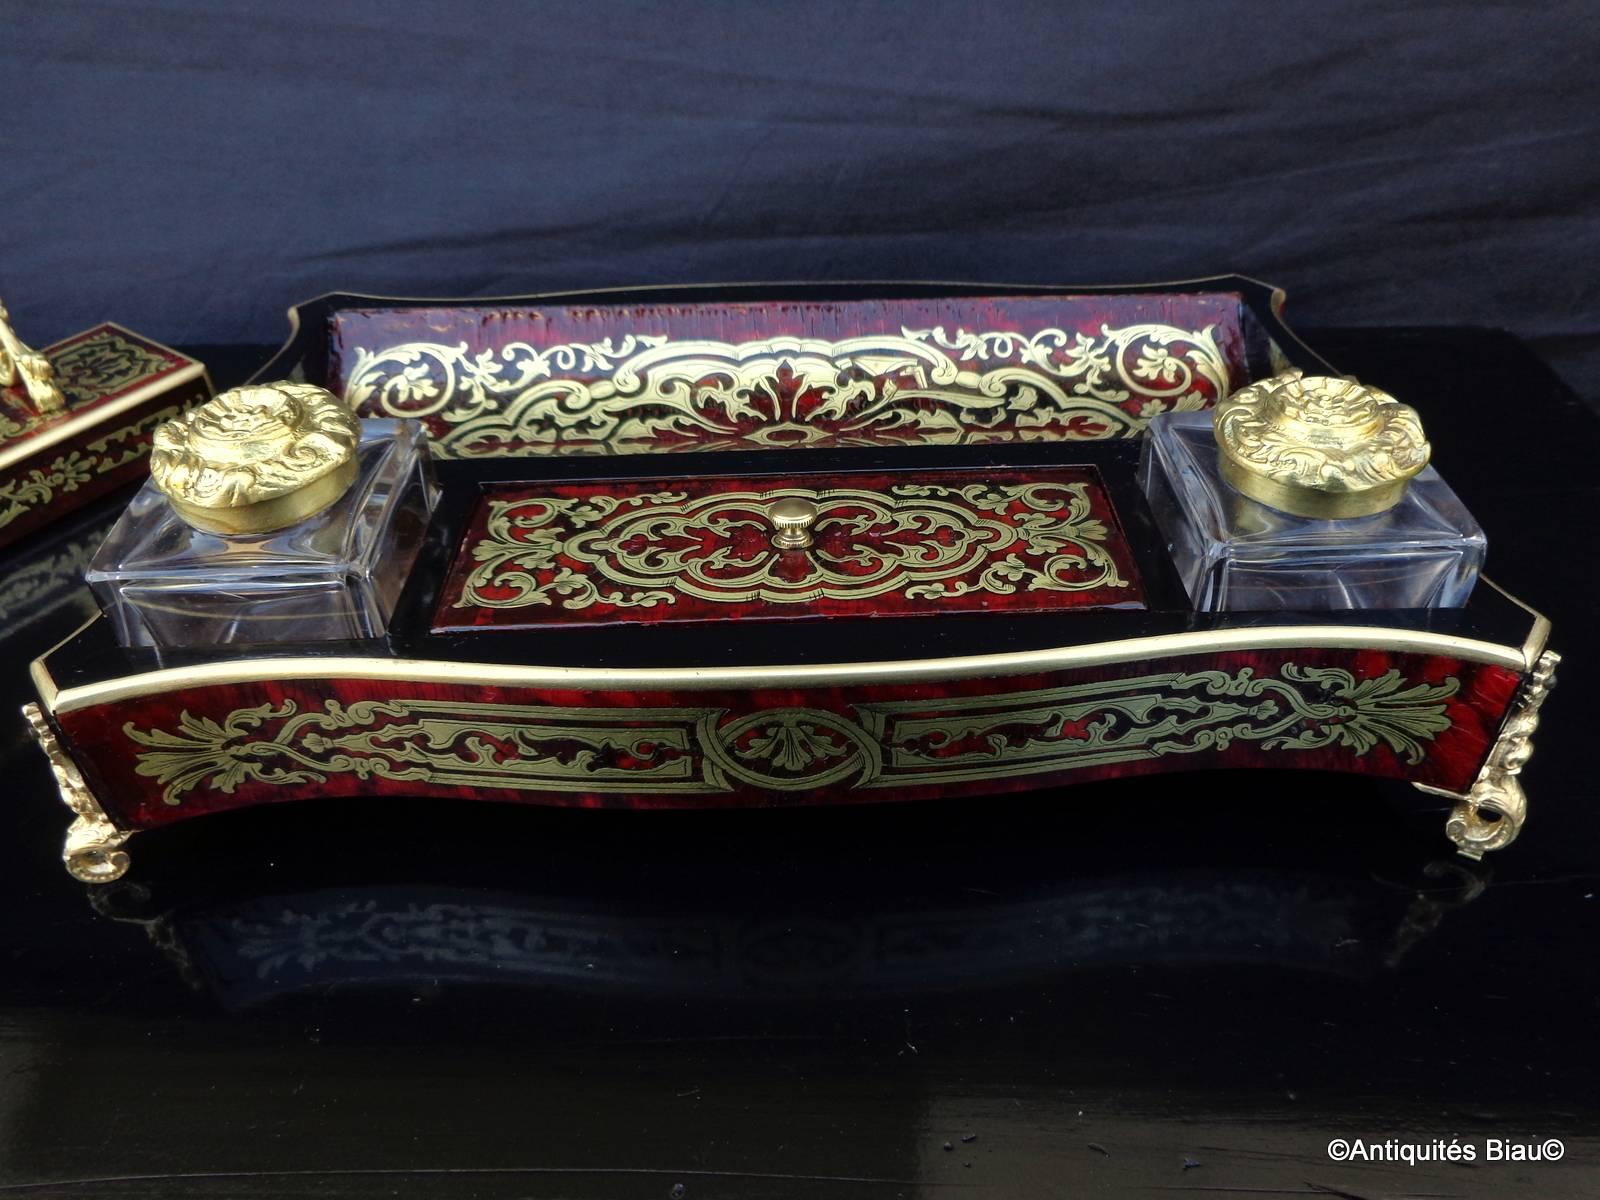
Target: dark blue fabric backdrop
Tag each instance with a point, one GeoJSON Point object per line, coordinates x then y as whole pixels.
{"type": "Point", "coordinates": [192, 167]}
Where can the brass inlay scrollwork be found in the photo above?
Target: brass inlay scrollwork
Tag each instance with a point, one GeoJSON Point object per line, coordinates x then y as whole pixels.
{"type": "Point", "coordinates": [919, 540]}
{"type": "Point", "coordinates": [104, 364]}
{"type": "Point", "coordinates": [649, 392]}
{"type": "Point", "coordinates": [875, 745]}
{"type": "Point", "coordinates": [492, 745]}
{"type": "Point", "coordinates": [70, 471]}
{"type": "Point", "coordinates": [87, 369]}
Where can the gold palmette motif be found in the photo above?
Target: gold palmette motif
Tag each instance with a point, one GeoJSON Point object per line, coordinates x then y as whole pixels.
{"type": "Point", "coordinates": [707, 750]}
{"type": "Point", "coordinates": [649, 550]}
{"type": "Point", "coordinates": [647, 392]}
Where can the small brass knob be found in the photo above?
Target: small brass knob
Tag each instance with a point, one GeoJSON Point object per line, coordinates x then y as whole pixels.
{"type": "Point", "coordinates": [792, 518]}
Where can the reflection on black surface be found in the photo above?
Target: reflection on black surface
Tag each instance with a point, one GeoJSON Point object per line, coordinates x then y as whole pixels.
{"type": "Point", "coordinates": [263, 906]}
{"type": "Point", "coordinates": [659, 919]}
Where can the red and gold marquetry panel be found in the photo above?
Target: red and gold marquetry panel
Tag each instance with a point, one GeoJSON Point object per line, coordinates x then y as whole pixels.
{"type": "Point", "coordinates": [629, 379]}
{"type": "Point", "coordinates": [186, 751]}
{"type": "Point", "coordinates": [706, 549]}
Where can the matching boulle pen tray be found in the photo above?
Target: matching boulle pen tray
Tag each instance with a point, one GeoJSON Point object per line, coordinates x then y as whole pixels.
{"type": "Point", "coordinates": [742, 367]}
{"type": "Point", "coordinates": [988, 607]}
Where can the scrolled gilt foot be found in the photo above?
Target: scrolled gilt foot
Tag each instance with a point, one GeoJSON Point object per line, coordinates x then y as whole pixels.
{"type": "Point", "coordinates": [93, 851]}
{"type": "Point", "coordinates": [1492, 813]}
{"type": "Point", "coordinates": [1489, 818]}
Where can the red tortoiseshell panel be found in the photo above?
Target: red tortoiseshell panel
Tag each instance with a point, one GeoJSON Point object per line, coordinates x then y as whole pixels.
{"type": "Point", "coordinates": [189, 751]}
{"type": "Point", "coordinates": [702, 549]}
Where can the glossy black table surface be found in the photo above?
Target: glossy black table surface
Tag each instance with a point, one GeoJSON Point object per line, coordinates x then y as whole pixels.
{"type": "Point", "coordinates": [1188, 984]}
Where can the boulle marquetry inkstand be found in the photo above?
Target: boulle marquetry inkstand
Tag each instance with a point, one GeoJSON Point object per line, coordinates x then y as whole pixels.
{"type": "Point", "coordinates": [792, 546]}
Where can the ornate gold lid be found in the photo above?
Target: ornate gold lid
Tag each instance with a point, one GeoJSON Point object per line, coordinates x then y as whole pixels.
{"type": "Point", "coordinates": [257, 458]}
{"type": "Point", "coordinates": [1319, 446]}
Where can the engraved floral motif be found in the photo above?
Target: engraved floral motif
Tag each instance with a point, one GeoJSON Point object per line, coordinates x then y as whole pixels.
{"type": "Point", "coordinates": [85, 370]}
{"type": "Point", "coordinates": [1298, 708]}
{"type": "Point", "coordinates": [922, 386]}
{"type": "Point", "coordinates": [878, 745]}
{"type": "Point", "coordinates": [1360, 714]}
{"type": "Point", "coordinates": [105, 363]}
{"type": "Point", "coordinates": [789, 749]}
{"type": "Point", "coordinates": [918, 540]}
{"type": "Point", "coordinates": [221, 754]}
{"type": "Point", "coordinates": [65, 474]}
{"type": "Point", "coordinates": [508, 746]}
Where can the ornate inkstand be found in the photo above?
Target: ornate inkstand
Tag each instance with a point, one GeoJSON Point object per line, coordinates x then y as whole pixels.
{"type": "Point", "coordinates": [839, 550]}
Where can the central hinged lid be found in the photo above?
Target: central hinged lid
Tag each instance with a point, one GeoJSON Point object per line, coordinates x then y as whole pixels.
{"type": "Point", "coordinates": [846, 544]}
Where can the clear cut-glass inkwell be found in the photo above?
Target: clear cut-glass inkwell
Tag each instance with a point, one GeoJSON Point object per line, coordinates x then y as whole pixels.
{"type": "Point", "coordinates": [272, 514]}
{"type": "Point", "coordinates": [1308, 493]}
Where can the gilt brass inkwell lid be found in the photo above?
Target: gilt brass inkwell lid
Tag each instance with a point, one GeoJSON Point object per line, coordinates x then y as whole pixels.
{"type": "Point", "coordinates": [257, 458]}
{"type": "Point", "coordinates": [1319, 446]}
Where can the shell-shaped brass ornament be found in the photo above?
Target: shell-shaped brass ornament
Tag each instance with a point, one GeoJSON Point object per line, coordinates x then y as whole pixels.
{"type": "Point", "coordinates": [257, 458]}
{"type": "Point", "coordinates": [1319, 446]}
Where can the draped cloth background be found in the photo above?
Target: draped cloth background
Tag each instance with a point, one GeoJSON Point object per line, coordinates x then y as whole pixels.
{"type": "Point", "coordinates": [192, 167]}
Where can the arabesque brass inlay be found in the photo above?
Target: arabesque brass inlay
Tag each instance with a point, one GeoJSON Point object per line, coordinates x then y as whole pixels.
{"type": "Point", "coordinates": [920, 541]}
{"type": "Point", "coordinates": [88, 369]}
{"type": "Point", "coordinates": [647, 392]}
{"type": "Point", "coordinates": [105, 364]}
{"type": "Point", "coordinates": [70, 471]}
{"type": "Point", "coordinates": [873, 745]}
